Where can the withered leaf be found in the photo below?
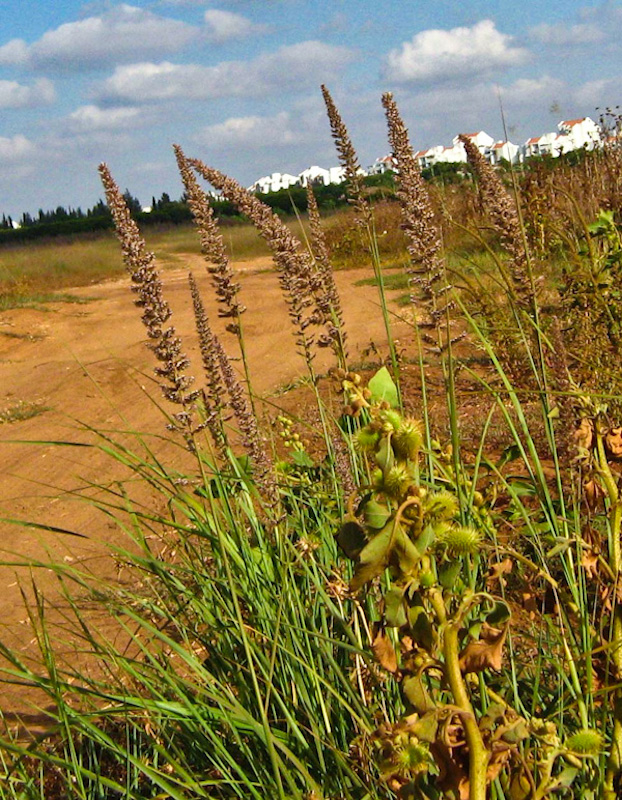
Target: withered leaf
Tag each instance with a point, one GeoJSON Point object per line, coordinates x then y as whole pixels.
{"type": "Point", "coordinates": [613, 442]}
{"type": "Point", "coordinates": [417, 694]}
{"type": "Point", "coordinates": [499, 569]}
{"type": "Point", "coordinates": [584, 434]}
{"type": "Point", "coordinates": [486, 652]}
{"type": "Point", "coordinates": [589, 562]}
{"type": "Point", "coordinates": [593, 492]}
{"type": "Point", "coordinates": [384, 651]}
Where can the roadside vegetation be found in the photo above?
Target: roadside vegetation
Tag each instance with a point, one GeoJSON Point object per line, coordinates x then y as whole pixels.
{"type": "Point", "coordinates": [405, 583]}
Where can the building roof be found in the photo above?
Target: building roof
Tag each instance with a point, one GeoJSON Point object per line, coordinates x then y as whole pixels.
{"type": "Point", "coordinates": [570, 122]}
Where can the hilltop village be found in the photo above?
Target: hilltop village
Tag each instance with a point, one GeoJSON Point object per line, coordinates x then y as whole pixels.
{"type": "Point", "coordinates": [572, 134]}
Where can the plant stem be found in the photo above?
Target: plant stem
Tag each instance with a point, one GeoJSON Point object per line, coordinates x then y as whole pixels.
{"type": "Point", "coordinates": [614, 764]}
{"type": "Point", "coordinates": [478, 754]}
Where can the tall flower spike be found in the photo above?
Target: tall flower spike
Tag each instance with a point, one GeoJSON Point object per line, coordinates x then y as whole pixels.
{"type": "Point", "coordinates": [214, 397]}
{"type": "Point", "coordinates": [251, 438]}
{"type": "Point", "coordinates": [328, 301]}
{"type": "Point", "coordinates": [505, 219]}
{"type": "Point", "coordinates": [348, 159]}
{"type": "Point", "coordinates": [418, 221]}
{"type": "Point", "coordinates": [300, 281]}
{"type": "Point", "coordinates": [212, 245]}
{"type": "Point", "coordinates": [140, 263]}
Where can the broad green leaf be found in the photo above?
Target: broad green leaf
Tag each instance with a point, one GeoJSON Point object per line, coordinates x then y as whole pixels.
{"type": "Point", "coordinates": [382, 387]}
{"type": "Point", "coordinates": [394, 611]}
{"type": "Point", "coordinates": [417, 694]}
{"type": "Point", "coordinates": [351, 538]}
{"type": "Point", "coordinates": [376, 515]}
{"type": "Point", "coordinates": [374, 557]}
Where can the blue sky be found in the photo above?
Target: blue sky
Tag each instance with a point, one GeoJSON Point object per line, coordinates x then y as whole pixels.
{"type": "Point", "coordinates": [236, 82]}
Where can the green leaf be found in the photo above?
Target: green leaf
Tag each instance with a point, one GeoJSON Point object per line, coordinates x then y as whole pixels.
{"type": "Point", "coordinates": [351, 538]}
{"type": "Point", "coordinates": [385, 457]}
{"type": "Point", "coordinates": [373, 558]}
{"type": "Point", "coordinates": [382, 387]}
{"type": "Point", "coordinates": [448, 575]}
{"type": "Point", "coordinates": [394, 611]}
{"type": "Point", "coordinates": [417, 694]}
{"type": "Point", "coordinates": [302, 459]}
{"type": "Point", "coordinates": [421, 628]}
{"type": "Point", "coordinates": [499, 614]}
{"type": "Point", "coordinates": [376, 515]}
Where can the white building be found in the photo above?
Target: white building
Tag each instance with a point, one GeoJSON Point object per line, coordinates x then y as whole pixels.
{"type": "Point", "coordinates": [503, 151]}
{"type": "Point", "coordinates": [582, 132]}
{"type": "Point", "coordinates": [382, 165]}
{"type": "Point", "coordinates": [336, 174]}
{"type": "Point", "coordinates": [274, 182]}
{"type": "Point", "coordinates": [316, 176]}
{"type": "Point", "coordinates": [480, 139]}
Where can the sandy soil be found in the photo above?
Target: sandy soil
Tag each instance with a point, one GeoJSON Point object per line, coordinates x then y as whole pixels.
{"type": "Point", "coordinates": [88, 363]}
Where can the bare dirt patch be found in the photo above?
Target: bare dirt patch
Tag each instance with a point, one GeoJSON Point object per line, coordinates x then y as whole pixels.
{"type": "Point", "coordinates": [87, 364]}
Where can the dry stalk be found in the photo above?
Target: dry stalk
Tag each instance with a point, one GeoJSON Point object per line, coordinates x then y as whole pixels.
{"type": "Point", "coordinates": [348, 160]}
{"type": "Point", "coordinates": [212, 246]}
{"type": "Point", "coordinates": [328, 300]}
{"type": "Point", "coordinates": [506, 221]}
{"type": "Point", "coordinates": [298, 277]}
{"type": "Point", "coordinates": [427, 271]}
{"type": "Point", "coordinates": [174, 382]}
{"type": "Point", "coordinates": [215, 396]}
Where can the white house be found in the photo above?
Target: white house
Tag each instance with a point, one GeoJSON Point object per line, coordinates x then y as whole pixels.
{"type": "Point", "coordinates": [381, 165]}
{"type": "Point", "coordinates": [503, 151]}
{"type": "Point", "coordinates": [456, 154]}
{"type": "Point", "coordinates": [274, 182]}
{"type": "Point", "coordinates": [480, 139]}
{"type": "Point", "coordinates": [336, 174]}
{"type": "Point", "coordinates": [316, 176]}
{"type": "Point", "coordinates": [582, 132]}
{"type": "Point", "coordinates": [544, 145]}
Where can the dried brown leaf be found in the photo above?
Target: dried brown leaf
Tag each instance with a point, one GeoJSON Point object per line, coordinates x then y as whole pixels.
{"type": "Point", "coordinates": [584, 434]}
{"type": "Point", "coordinates": [486, 652]}
{"type": "Point", "coordinates": [384, 651]}
{"type": "Point", "coordinates": [613, 442]}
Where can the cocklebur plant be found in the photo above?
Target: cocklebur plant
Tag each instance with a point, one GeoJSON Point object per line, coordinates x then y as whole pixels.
{"type": "Point", "coordinates": [439, 630]}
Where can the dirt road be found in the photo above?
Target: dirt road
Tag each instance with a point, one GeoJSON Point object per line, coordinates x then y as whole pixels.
{"type": "Point", "coordinates": [88, 364]}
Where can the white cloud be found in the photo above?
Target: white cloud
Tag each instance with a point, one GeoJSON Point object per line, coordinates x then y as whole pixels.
{"type": "Point", "coordinates": [92, 118]}
{"type": "Point", "coordinates": [561, 34]}
{"type": "Point", "coordinates": [17, 95]}
{"type": "Point", "coordinates": [291, 68]}
{"type": "Point", "coordinates": [15, 148]}
{"type": "Point", "coordinates": [439, 54]}
{"type": "Point", "coordinates": [251, 132]}
{"type": "Point", "coordinates": [14, 52]}
{"type": "Point", "coordinates": [124, 33]}
{"type": "Point", "coordinates": [223, 26]}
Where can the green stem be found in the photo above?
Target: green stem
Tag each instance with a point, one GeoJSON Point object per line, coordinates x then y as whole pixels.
{"type": "Point", "coordinates": [478, 754]}
{"type": "Point", "coordinates": [614, 764]}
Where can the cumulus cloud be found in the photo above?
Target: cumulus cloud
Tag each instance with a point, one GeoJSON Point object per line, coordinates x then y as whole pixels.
{"type": "Point", "coordinates": [434, 55]}
{"type": "Point", "coordinates": [223, 26]}
{"type": "Point", "coordinates": [14, 53]}
{"type": "Point", "coordinates": [561, 34]}
{"type": "Point", "coordinates": [251, 132]}
{"type": "Point", "coordinates": [124, 33]}
{"type": "Point", "coordinates": [291, 68]}
{"type": "Point", "coordinates": [17, 95]}
{"type": "Point", "coordinates": [15, 148]}
{"type": "Point", "coordinates": [93, 118]}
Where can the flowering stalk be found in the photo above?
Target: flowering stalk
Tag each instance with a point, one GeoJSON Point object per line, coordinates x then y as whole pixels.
{"type": "Point", "coordinates": [299, 280]}
{"type": "Point", "coordinates": [426, 272]}
{"type": "Point", "coordinates": [174, 382]}
{"type": "Point", "coordinates": [328, 300]}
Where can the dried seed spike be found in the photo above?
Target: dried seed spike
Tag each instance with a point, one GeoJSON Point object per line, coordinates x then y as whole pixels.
{"type": "Point", "coordinates": [505, 219]}
{"type": "Point", "coordinates": [426, 273]}
{"type": "Point", "coordinates": [155, 310]}
{"type": "Point", "coordinates": [212, 244]}
{"type": "Point", "coordinates": [300, 281]}
{"type": "Point", "coordinates": [328, 301]}
{"type": "Point", "coordinates": [348, 159]}
{"type": "Point", "coordinates": [214, 399]}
